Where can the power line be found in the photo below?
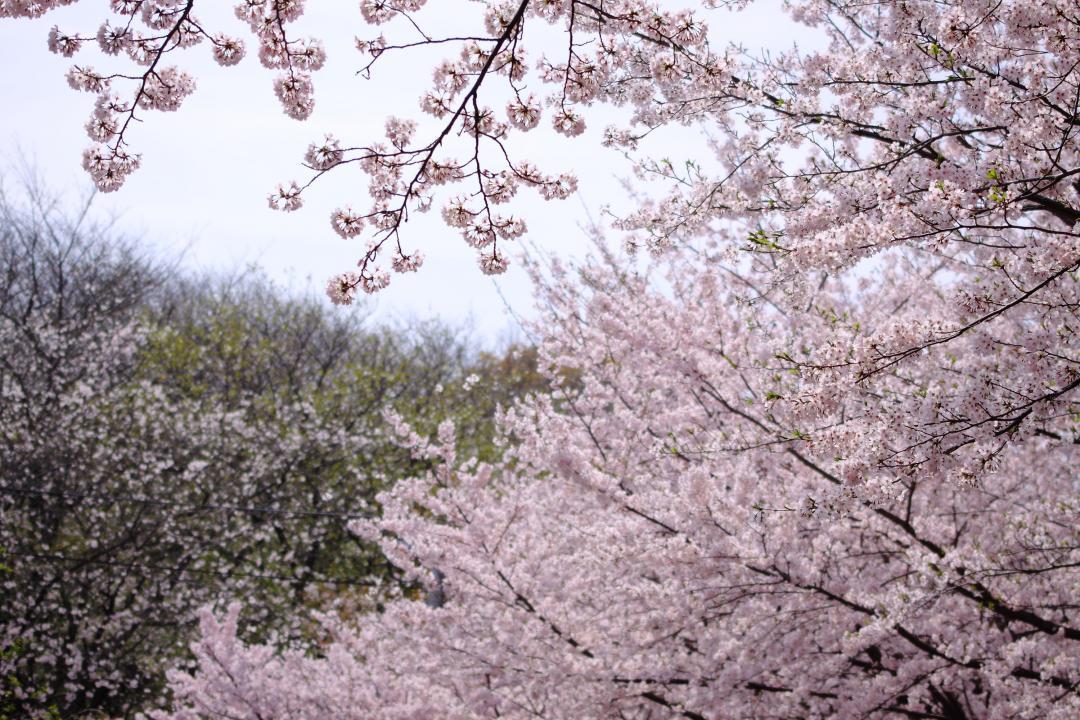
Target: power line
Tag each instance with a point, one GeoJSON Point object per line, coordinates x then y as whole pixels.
{"type": "Point", "coordinates": [206, 507]}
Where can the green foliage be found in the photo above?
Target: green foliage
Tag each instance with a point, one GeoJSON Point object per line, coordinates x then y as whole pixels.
{"type": "Point", "coordinates": [255, 349]}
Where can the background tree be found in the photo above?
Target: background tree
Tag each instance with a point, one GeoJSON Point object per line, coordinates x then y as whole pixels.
{"type": "Point", "coordinates": [169, 442]}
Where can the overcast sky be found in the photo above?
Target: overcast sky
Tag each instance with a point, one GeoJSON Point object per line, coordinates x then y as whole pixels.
{"type": "Point", "coordinates": [206, 169]}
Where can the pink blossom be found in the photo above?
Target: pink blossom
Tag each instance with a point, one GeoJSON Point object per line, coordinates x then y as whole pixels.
{"type": "Point", "coordinates": [286, 197]}
{"type": "Point", "coordinates": [346, 222]}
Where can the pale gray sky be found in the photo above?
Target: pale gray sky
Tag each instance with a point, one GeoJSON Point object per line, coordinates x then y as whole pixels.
{"type": "Point", "coordinates": [206, 169]}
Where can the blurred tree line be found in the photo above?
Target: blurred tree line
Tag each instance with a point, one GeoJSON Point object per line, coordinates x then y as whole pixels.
{"type": "Point", "coordinates": [170, 440]}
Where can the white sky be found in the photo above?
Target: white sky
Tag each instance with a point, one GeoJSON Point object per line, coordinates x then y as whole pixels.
{"type": "Point", "coordinates": [207, 169]}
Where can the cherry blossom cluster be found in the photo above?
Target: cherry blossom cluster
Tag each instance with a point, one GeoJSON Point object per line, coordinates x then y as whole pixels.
{"type": "Point", "coordinates": [673, 535]}
{"type": "Point", "coordinates": [147, 32]}
{"type": "Point", "coordinates": [490, 70]}
{"type": "Point", "coordinates": [479, 99]}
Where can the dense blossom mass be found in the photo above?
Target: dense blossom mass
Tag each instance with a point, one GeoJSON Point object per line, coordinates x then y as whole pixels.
{"type": "Point", "coordinates": [677, 535]}
{"type": "Point", "coordinates": [819, 461]}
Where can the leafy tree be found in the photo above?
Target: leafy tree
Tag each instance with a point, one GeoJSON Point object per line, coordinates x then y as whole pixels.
{"type": "Point", "coordinates": [168, 442]}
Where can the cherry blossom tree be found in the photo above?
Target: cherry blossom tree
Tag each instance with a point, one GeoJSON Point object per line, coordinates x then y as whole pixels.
{"type": "Point", "coordinates": [817, 463]}
{"type": "Point", "coordinates": [675, 535]}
